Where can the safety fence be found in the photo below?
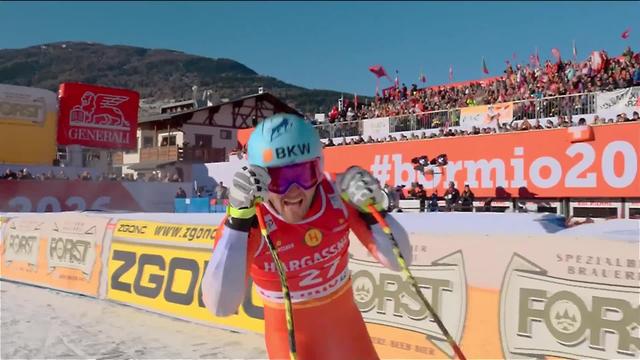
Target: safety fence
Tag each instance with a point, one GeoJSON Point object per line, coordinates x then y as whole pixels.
{"type": "Point", "coordinates": [607, 104]}
{"type": "Point", "coordinates": [529, 298]}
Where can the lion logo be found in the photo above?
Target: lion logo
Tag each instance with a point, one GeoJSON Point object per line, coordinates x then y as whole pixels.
{"type": "Point", "coordinates": [99, 110]}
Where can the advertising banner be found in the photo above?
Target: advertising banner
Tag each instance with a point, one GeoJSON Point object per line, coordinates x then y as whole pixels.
{"type": "Point", "coordinates": [97, 116]}
{"type": "Point", "coordinates": [538, 292]}
{"type": "Point", "coordinates": [486, 115]}
{"type": "Point", "coordinates": [25, 105]}
{"type": "Point", "coordinates": [166, 233]}
{"type": "Point", "coordinates": [612, 103]}
{"type": "Point", "coordinates": [61, 252]}
{"type": "Point", "coordinates": [504, 285]}
{"type": "Point", "coordinates": [377, 128]}
{"type": "Point", "coordinates": [510, 165]}
{"type": "Point", "coordinates": [27, 114]}
{"type": "Point", "coordinates": [159, 267]}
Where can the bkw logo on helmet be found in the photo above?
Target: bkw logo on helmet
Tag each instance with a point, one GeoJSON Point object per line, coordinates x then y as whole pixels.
{"type": "Point", "coordinates": [283, 139]}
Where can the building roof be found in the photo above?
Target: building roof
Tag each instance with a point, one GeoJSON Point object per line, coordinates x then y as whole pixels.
{"type": "Point", "coordinates": [178, 118]}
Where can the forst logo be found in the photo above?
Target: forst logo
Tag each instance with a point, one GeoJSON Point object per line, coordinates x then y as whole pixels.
{"type": "Point", "coordinates": [22, 245]}
{"type": "Point", "coordinates": [372, 293]}
{"type": "Point", "coordinates": [542, 315]}
{"type": "Point", "coordinates": [69, 250]}
{"type": "Point", "coordinates": [71, 253]}
{"type": "Point", "coordinates": [385, 297]}
{"type": "Point", "coordinates": [570, 321]}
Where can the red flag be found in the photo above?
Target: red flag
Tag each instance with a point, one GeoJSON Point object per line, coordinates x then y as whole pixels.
{"type": "Point", "coordinates": [597, 61]}
{"type": "Point", "coordinates": [450, 72]}
{"type": "Point", "coordinates": [484, 67]}
{"type": "Point", "coordinates": [625, 34]}
{"type": "Point", "coordinates": [556, 53]}
{"type": "Point", "coordinates": [378, 70]}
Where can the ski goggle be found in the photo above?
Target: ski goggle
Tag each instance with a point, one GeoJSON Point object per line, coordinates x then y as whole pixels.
{"type": "Point", "coordinates": [306, 175]}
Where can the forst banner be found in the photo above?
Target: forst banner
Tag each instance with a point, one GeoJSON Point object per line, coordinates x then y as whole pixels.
{"type": "Point", "coordinates": [513, 288]}
{"type": "Point", "coordinates": [548, 163]}
{"type": "Point", "coordinates": [98, 117]}
{"type": "Point", "coordinates": [61, 252]}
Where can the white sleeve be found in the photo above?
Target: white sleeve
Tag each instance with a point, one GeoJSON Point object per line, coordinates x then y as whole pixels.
{"type": "Point", "coordinates": [225, 279]}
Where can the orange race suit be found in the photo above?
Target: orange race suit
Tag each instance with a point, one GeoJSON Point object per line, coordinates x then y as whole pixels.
{"type": "Point", "coordinates": [314, 252]}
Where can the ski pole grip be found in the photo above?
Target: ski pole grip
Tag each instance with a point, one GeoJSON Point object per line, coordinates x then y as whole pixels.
{"type": "Point", "coordinates": [263, 228]}
{"type": "Point", "coordinates": [376, 214]}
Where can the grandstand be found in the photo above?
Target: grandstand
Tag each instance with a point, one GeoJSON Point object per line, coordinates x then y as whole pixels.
{"type": "Point", "coordinates": [548, 101]}
{"type": "Point", "coordinates": [559, 92]}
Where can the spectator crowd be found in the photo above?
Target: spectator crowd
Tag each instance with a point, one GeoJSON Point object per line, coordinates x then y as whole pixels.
{"type": "Point", "coordinates": [535, 87]}
{"type": "Point", "coordinates": [522, 82]}
{"type": "Point", "coordinates": [25, 174]}
{"type": "Point", "coordinates": [454, 200]}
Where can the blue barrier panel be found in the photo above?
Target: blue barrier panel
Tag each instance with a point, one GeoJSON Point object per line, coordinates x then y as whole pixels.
{"type": "Point", "coordinates": [199, 205]}
{"type": "Point", "coordinates": [180, 205]}
{"type": "Point", "coordinates": [218, 208]}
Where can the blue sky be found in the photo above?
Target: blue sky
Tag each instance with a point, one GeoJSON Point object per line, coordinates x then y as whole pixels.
{"type": "Point", "coordinates": [330, 45]}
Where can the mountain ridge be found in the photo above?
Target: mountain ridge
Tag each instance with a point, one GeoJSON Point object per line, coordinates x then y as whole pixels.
{"type": "Point", "coordinates": [157, 74]}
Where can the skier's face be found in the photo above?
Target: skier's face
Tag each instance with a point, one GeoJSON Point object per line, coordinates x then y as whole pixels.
{"type": "Point", "coordinates": [294, 204]}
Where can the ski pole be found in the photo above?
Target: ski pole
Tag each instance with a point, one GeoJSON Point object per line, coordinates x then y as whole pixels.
{"type": "Point", "coordinates": [414, 283]}
{"type": "Point", "coordinates": [283, 282]}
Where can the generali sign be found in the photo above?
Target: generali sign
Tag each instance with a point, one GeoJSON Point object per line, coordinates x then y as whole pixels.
{"type": "Point", "coordinates": [97, 116]}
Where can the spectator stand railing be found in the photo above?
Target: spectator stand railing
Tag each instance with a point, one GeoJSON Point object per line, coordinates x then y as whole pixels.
{"type": "Point", "coordinates": [546, 107]}
{"type": "Point", "coordinates": [532, 109]}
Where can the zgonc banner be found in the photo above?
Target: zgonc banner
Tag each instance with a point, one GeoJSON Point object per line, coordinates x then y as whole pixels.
{"type": "Point", "coordinates": [545, 163]}
{"type": "Point", "coordinates": [159, 267]}
{"type": "Point", "coordinates": [97, 116]}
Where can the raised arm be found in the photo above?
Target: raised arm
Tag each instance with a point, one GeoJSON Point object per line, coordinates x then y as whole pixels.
{"type": "Point", "coordinates": [359, 189]}
{"type": "Point", "coordinates": [225, 279]}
